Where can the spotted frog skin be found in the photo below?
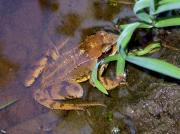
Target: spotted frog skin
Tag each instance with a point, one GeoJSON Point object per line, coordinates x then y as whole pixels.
{"type": "Point", "coordinates": [61, 72]}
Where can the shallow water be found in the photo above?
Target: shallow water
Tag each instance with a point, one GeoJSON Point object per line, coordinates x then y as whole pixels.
{"type": "Point", "coordinates": [27, 30]}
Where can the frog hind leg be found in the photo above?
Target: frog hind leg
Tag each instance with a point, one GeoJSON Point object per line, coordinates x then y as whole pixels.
{"type": "Point", "coordinates": [62, 90]}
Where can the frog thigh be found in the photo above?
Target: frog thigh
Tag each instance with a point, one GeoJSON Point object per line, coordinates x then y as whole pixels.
{"type": "Point", "coordinates": [62, 90]}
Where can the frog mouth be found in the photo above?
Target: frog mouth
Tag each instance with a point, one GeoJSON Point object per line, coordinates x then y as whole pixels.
{"type": "Point", "coordinates": [108, 51]}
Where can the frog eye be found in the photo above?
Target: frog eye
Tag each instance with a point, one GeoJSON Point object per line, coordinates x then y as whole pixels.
{"type": "Point", "coordinates": [102, 33]}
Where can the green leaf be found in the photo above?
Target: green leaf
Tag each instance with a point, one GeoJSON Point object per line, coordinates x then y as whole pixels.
{"type": "Point", "coordinates": [143, 25]}
{"type": "Point", "coordinates": [140, 12]}
{"type": "Point", "coordinates": [143, 16]}
{"type": "Point", "coordinates": [167, 7]}
{"type": "Point", "coordinates": [120, 67]}
{"type": "Point", "coordinates": [163, 2]}
{"type": "Point", "coordinates": [153, 47]}
{"type": "Point", "coordinates": [97, 83]}
{"type": "Point", "coordinates": [140, 5]}
{"type": "Point", "coordinates": [94, 74]}
{"type": "Point", "coordinates": [152, 7]}
{"type": "Point", "coordinates": [156, 65]}
{"type": "Point", "coordinates": [109, 59]}
{"type": "Point", "coordinates": [166, 22]}
{"type": "Point", "coordinates": [125, 36]}
{"type": "Point", "coordinates": [120, 63]}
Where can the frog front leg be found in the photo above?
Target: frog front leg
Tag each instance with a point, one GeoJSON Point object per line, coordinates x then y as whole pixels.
{"type": "Point", "coordinates": [107, 82]}
{"type": "Point", "coordinates": [110, 83]}
{"type": "Point", "coordinates": [35, 71]}
{"type": "Point", "coordinates": [55, 96]}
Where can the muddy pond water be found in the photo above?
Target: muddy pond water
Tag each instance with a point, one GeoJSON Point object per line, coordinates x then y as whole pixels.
{"type": "Point", "coordinates": [28, 27]}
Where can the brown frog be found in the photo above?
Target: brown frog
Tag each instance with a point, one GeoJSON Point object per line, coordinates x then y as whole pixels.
{"type": "Point", "coordinates": [61, 73]}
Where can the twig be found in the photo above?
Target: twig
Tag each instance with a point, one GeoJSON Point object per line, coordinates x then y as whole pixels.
{"type": "Point", "coordinates": [2, 106]}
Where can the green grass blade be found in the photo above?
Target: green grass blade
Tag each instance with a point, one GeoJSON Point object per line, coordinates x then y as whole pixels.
{"type": "Point", "coordinates": [162, 2]}
{"type": "Point", "coordinates": [166, 22]}
{"type": "Point", "coordinates": [153, 47]}
{"type": "Point", "coordinates": [97, 83]}
{"type": "Point", "coordinates": [109, 59]}
{"type": "Point", "coordinates": [143, 25]}
{"type": "Point", "coordinates": [167, 7]}
{"type": "Point", "coordinates": [94, 74]}
{"type": "Point", "coordinates": [120, 63]}
{"type": "Point", "coordinates": [139, 10]}
{"type": "Point", "coordinates": [156, 65]}
{"type": "Point", "coordinates": [140, 5]}
{"type": "Point", "coordinates": [152, 6]}
{"type": "Point", "coordinates": [120, 67]}
{"type": "Point", "coordinates": [144, 17]}
{"type": "Point", "coordinates": [7, 104]}
{"type": "Point", "coordinates": [125, 36]}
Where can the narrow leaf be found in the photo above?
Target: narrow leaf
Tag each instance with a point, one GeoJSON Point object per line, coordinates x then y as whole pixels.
{"type": "Point", "coordinates": [166, 22]}
{"type": "Point", "coordinates": [153, 47]}
{"type": "Point", "coordinates": [143, 25]}
{"type": "Point", "coordinates": [94, 78]}
{"type": "Point", "coordinates": [140, 12]}
{"type": "Point", "coordinates": [167, 7]}
{"type": "Point", "coordinates": [156, 65]}
{"type": "Point", "coordinates": [120, 67]}
{"type": "Point", "coordinates": [94, 74]}
{"type": "Point", "coordinates": [152, 6]}
{"type": "Point", "coordinates": [140, 5]}
{"type": "Point", "coordinates": [162, 2]}
{"type": "Point", "coordinates": [125, 36]}
{"type": "Point", "coordinates": [143, 16]}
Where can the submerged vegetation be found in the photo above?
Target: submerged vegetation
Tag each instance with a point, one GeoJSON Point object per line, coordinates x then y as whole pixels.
{"type": "Point", "coordinates": [149, 13]}
{"type": "Point", "coordinates": [2, 106]}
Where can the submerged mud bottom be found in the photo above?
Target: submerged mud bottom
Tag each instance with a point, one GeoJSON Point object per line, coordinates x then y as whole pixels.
{"type": "Point", "coordinates": [159, 112]}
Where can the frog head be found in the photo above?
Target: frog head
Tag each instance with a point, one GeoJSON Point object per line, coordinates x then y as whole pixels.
{"type": "Point", "coordinates": [98, 44]}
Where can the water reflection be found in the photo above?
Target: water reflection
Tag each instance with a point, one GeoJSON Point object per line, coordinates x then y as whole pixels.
{"type": "Point", "coordinates": [51, 5]}
{"type": "Point", "coordinates": [69, 24]}
{"type": "Point", "coordinates": [105, 11]}
{"type": "Point", "coordinates": [8, 69]}
{"type": "Point", "coordinates": [9, 7]}
{"type": "Point", "coordinates": [24, 25]}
